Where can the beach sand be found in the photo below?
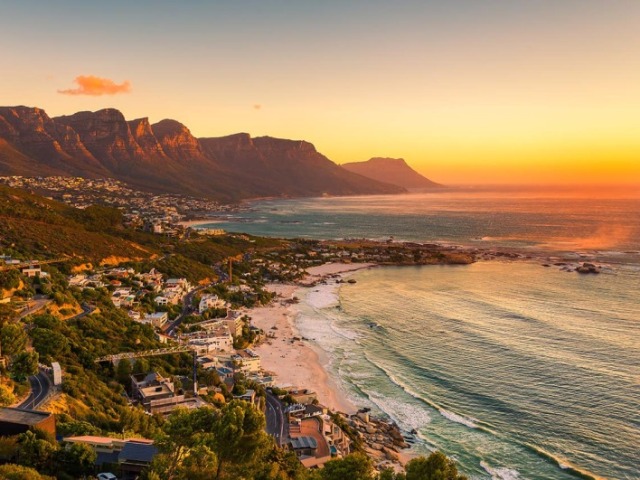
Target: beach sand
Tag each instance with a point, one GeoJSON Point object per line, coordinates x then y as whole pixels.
{"type": "Point", "coordinates": [298, 363]}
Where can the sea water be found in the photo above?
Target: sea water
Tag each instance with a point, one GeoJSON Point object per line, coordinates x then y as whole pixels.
{"type": "Point", "coordinates": [517, 370]}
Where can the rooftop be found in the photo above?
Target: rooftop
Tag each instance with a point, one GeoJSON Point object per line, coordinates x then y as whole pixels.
{"type": "Point", "coordinates": [22, 416]}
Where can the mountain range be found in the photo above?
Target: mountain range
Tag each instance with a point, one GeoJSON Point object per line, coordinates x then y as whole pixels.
{"type": "Point", "coordinates": [165, 157]}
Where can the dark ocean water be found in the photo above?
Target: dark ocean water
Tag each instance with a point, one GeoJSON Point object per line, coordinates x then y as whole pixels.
{"type": "Point", "coordinates": [516, 370]}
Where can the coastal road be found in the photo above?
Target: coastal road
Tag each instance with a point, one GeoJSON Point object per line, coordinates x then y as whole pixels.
{"type": "Point", "coordinates": [186, 309]}
{"type": "Point", "coordinates": [40, 386]}
{"type": "Point", "coordinates": [277, 425]}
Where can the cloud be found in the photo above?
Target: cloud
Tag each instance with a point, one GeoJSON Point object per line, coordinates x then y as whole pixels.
{"type": "Point", "coordinates": [257, 106]}
{"type": "Point", "coordinates": [91, 85]}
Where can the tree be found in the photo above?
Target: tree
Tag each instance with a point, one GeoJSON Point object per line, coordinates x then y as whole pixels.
{"type": "Point", "coordinates": [24, 365]}
{"type": "Point", "coordinates": [239, 437]}
{"type": "Point", "coordinates": [123, 372]}
{"type": "Point", "coordinates": [436, 467]}
{"type": "Point", "coordinates": [35, 452]}
{"type": "Point", "coordinates": [17, 472]}
{"type": "Point", "coordinates": [356, 466]}
{"type": "Point", "coordinates": [13, 338]}
{"type": "Point", "coordinates": [230, 442]}
{"type": "Point", "coordinates": [6, 395]}
{"type": "Point", "coordinates": [77, 459]}
{"type": "Point", "coordinates": [49, 343]}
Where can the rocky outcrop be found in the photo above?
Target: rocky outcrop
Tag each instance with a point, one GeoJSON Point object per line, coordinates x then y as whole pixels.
{"type": "Point", "coordinates": [107, 136]}
{"type": "Point", "coordinates": [177, 142]}
{"type": "Point", "coordinates": [166, 157]}
{"type": "Point", "coordinates": [391, 170]}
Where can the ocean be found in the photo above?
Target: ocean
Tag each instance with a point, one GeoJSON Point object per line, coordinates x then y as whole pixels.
{"type": "Point", "coordinates": [515, 369]}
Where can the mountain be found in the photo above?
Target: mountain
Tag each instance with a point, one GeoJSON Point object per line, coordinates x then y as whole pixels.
{"type": "Point", "coordinates": [391, 170]}
{"type": "Point", "coordinates": [166, 157]}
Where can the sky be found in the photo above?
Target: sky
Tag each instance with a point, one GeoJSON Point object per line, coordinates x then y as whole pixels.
{"type": "Point", "coordinates": [466, 91]}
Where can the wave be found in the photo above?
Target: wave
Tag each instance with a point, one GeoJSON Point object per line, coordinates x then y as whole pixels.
{"type": "Point", "coordinates": [454, 417]}
{"type": "Point", "coordinates": [500, 473]}
{"type": "Point", "coordinates": [563, 464]}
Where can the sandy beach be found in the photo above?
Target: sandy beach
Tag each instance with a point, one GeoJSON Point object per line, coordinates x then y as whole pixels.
{"type": "Point", "coordinates": [195, 223]}
{"type": "Point", "coordinates": [298, 363]}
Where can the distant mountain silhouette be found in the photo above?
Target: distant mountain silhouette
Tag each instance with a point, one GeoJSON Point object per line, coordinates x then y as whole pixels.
{"type": "Point", "coordinates": [391, 170]}
{"type": "Point", "coordinates": [165, 157]}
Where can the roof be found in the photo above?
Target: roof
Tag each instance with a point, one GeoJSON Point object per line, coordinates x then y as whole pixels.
{"type": "Point", "coordinates": [22, 416]}
{"type": "Point", "coordinates": [106, 457]}
{"type": "Point", "coordinates": [304, 442]}
{"type": "Point", "coordinates": [90, 439]}
{"type": "Point", "coordinates": [137, 452]}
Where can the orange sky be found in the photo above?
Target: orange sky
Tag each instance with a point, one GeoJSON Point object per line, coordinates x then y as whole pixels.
{"type": "Point", "coordinates": [467, 92]}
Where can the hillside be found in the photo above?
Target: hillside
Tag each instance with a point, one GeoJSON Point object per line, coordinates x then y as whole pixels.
{"type": "Point", "coordinates": [391, 170]}
{"type": "Point", "coordinates": [32, 226]}
{"type": "Point", "coordinates": [166, 157]}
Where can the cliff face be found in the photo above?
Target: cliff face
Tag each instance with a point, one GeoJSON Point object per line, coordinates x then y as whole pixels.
{"type": "Point", "coordinates": [391, 170]}
{"type": "Point", "coordinates": [166, 157]}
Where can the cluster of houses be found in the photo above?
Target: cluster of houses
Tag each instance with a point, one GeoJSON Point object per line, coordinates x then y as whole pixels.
{"type": "Point", "coordinates": [130, 286]}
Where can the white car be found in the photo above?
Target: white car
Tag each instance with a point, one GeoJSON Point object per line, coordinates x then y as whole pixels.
{"type": "Point", "coordinates": [107, 476]}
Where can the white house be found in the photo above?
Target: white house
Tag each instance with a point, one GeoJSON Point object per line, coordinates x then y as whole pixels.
{"type": "Point", "coordinates": [210, 301]}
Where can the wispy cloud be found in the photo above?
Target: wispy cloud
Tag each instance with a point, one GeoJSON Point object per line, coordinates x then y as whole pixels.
{"type": "Point", "coordinates": [92, 85]}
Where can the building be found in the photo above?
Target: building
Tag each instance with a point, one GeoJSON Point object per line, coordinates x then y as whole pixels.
{"type": "Point", "coordinates": [131, 455]}
{"type": "Point", "coordinates": [57, 373]}
{"type": "Point", "coordinates": [309, 443]}
{"type": "Point", "coordinates": [157, 319]}
{"type": "Point", "coordinates": [34, 271]}
{"type": "Point", "coordinates": [210, 301]}
{"type": "Point", "coordinates": [157, 394]}
{"type": "Point", "coordinates": [247, 361]}
{"type": "Point", "coordinates": [210, 341]}
{"type": "Point", "coordinates": [14, 421]}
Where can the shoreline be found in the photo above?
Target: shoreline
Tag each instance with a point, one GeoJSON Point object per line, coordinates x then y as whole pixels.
{"type": "Point", "coordinates": [297, 362]}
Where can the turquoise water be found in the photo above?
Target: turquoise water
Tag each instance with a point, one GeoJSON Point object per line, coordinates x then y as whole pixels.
{"type": "Point", "coordinates": [516, 370]}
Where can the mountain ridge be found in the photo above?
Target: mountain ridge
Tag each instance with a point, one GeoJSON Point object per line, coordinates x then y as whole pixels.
{"type": "Point", "coordinates": [391, 170]}
{"type": "Point", "coordinates": [166, 158]}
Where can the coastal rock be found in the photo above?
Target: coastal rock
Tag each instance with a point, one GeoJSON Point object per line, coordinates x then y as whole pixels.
{"type": "Point", "coordinates": [588, 268]}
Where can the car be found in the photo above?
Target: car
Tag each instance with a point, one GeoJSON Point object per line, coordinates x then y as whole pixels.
{"type": "Point", "coordinates": [107, 476]}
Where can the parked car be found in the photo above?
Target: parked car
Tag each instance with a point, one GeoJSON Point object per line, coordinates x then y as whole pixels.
{"type": "Point", "coordinates": [107, 476]}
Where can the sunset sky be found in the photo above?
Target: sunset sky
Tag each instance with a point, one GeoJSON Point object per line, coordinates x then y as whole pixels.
{"type": "Point", "coordinates": [467, 91]}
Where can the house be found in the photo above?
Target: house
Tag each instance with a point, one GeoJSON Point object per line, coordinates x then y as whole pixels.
{"type": "Point", "coordinates": [14, 421]}
{"type": "Point", "coordinates": [234, 323]}
{"type": "Point", "coordinates": [157, 319]}
{"type": "Point", "coordinates": [131, 455]}
{"type": "Point", "coordinates": [309, 443]}
{"type": "Point", "coordinates": [210, 301]}
{"type": "Point", "coordinates": [248, 396]}
{"type": "Point", "coordinates": [247, 361]}
{"type": "Point", "coordinates": [34, 271]}
{"type": "Point", "coordinates": [161, 300]}
{"type": "Point", "coordinates": [303, 396]}
{"type": "Point", "coordinates": [210, 341]}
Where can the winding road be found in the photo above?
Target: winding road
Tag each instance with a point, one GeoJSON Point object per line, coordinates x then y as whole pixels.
{"type": "Point", "coordinates": [40, 386]}
{"type": "Point", "coordinates": [277, 425]}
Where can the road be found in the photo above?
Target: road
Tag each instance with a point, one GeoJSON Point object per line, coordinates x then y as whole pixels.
{"type": "Point", "coordinates": [277, 425]}
{"type": "Point", "coordinates": [40, 386]}
{"type": "Point", "coordinates": [186, 309]}
{"type": "Point", "coordinates": [35, 305]}
{"type": "Point", "coordinates": [40, 383]}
